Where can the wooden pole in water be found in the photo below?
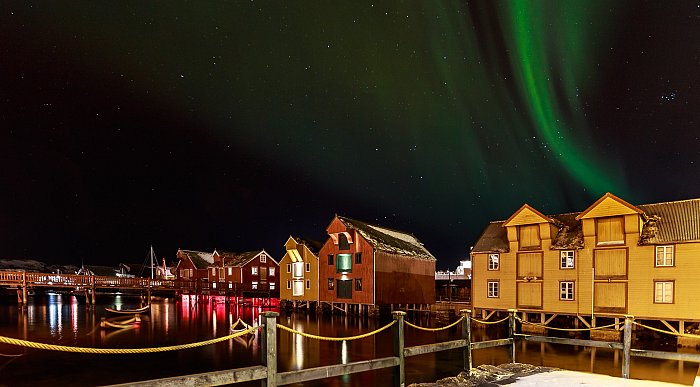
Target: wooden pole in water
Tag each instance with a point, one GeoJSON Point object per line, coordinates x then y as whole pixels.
{"type": "Point", "coordinates": [24, 288]}
{"type": "Point", "coordinates": [400, 370]}
{"type": "Point", "coordinates": [627, 345]}
{"type": "Point", "coordinates": [467, 336]}
{"type": "Point", "coordinates": [511, 333]}
{"type": "Point", "coordinates": [269, 348]}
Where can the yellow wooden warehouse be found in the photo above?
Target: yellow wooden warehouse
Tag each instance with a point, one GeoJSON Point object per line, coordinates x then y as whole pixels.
{"type": "Point", "coordinates": [299, 273]}
{"type": "Point", "coordinates": [612, 259]}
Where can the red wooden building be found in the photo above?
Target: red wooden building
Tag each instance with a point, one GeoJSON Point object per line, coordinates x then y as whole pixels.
{"type": "Point", "coordinates": [251, 274]}
{"type": "Point", "coordinates": [193, 265]}
{"type": "Point", "coordinates": [361, 264]}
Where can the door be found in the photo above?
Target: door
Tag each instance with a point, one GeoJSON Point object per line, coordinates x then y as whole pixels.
{"type": "Point", "coordinates": [344, 289]}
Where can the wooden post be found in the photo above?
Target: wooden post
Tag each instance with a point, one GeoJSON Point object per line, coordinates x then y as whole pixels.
{"type": "Point", "coordinates": [467, 336]}
{"type": "Point", "coordinates": [399, 371]}
{"type": "Point", "coordinates": [511, 333]}
{"type": "Point", "coordinates": [269, 348]}
{"type": "Point", "coordinates": [626, 345]}
{"type": "Point", "coordinates": [24, 288]}
{"type": "Point", "coordinates": [92, 280]}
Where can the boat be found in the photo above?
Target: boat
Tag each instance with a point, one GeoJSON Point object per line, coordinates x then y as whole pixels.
{"type": "Point", "coordinates": [145, 309]}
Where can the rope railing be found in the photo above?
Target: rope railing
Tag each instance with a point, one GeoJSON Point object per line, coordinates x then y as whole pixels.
{"type": "Point", "coordinates": [614, 326]}
{"type": "Point", "coordinates": [490, 322]}
{"type": "Point", "coordinates": [434, 329]}
{"type": "Point", "coordinates": [326, 338]}
{"type": "Point", "coordinates": [678, 334]}
{"type": "Point", "coordinates": [111, 351]}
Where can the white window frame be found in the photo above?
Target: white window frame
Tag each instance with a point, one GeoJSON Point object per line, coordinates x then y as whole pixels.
{"type": "Point", "coordinates": [308, 267]}
{"type": "Point", "coordinates": [289, 284]}
{"type": "Point", "coordinates": [289, 268]}
{"type": "Point", "coordinates": [263, 258]}
{"type": "Point", "coordinates": [494, 257]}
{"type": "Point", "coordinates": [564, 256]}
{"type": "Point", "coordinates": [230, 285]}
{"type": "Point", "coordinates": [272, 286]}
{"type": "Point", "coordinates": [493, 289]}
{"type": "Point", "coordinates": [666, 254]}
{"type": "Point", "coordinates": [254, 285]}
{"type": "Point", "coordinates": [213, 285]}
{"type": "Point", "coordinates": [297, 290]}
{"type": "Point", "coordinates": [254, 270]}
{"type": "Point", "coordinates": [567, 291]}
{"type": "Point", "coordinates": [230, 271]}
{"type": "Point", "coordinates": [308, 284]}
{"type": "Point", "coordinates": [664, 287]}
{"type": "Point", "coordinates": [271, 272]}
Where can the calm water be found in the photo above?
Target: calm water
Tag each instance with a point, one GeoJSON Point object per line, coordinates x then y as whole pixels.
{"type": "Point", "coordinates": [66, 320]}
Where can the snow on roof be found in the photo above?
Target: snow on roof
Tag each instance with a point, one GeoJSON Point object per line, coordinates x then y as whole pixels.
{"type": "Point", "coordinates": [385, 239]}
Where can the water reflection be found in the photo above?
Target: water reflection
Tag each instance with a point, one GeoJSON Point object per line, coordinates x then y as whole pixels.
{"type": "Point", "coordinates": [65, 319]}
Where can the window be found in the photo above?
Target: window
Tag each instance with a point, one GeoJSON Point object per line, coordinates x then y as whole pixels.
{"type": "Point", "coordinates": [272, 272]}
{"type": "Point", "coordinates": [566, 259]}
{"type": "Point", "coordinates": [308, 284]}
{"type": "Point", "coordinates": [529, 237]}
{"type": "Point", "coordinates": [289, 268]}
{"type": "Point", "coordinates": [272, 286]}
{"type": "Point", "coordinates": [664, 255]}
{"type": "Point", "coordinates": [610, 231]}
{"type": "Point", "coordinates": [221, 272]}
{"type": "Point", "coordinates": [330, 283]}
{"type": "Point", "coordinates": [289, 284]}
{"type": "Point", "coordinates": [308, 267]}
{"type": "Point", "coordinates": [263, 258]}
{"type": "Point", "coordinates": [254, 270]}
{"type": "Point", "coordinates": [566, 290]}
{"type": "Point", "coordinates": [663, 292]}
{"type": "Point", "coordinates": [213, 285]}
{"type": "Point", "coordinates": [358, 284]}
{"type": "Point", "coordinates": [330, 259]}
{"type": "Point", "coordinates": [230, 271]}
{"type": "Point", "coordinates": [492, 289]}
{"type": "Point", "coordinates": [494, 261]}
{"type": "Point", "coordinates": [255, 285]}
{"type": "Point", "coordinates": [358, 258]}
{"type": "Point", "coordinates": [298, 288]}
{"type": "Point", "coordinates": [297, 269]}
{"type": "Point", "coordinates": [230, 285]}
{"type": "Point", "coordinates": [343, 242]}
{"type": "Point", "coordinates": [343, 263]}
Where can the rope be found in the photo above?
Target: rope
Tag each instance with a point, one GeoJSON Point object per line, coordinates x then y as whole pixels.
{"type": "Point", "coordinates": [434, 329]}
{"type": "Point", "coordinates": [310, 336]}
{"type": "Point", "coordinates": [667, 332]}
{"type": "Point", "coordinates": [566, 329]}
{"type": "Point", "coordinates": [490, 322]}
{"type": "Point", "coordinates": [104, 351]}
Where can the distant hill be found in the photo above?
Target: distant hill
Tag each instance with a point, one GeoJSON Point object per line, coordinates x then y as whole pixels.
{"type": "Point", "coordinates": [35, 266]}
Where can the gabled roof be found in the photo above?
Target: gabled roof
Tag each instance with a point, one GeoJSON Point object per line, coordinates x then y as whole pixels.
{"type": "Point", "coordinates": [526, 215]}
{"type": "Point", "coordinates": [385, 239]}
{"type": "Point", "coordinates": [200, 259]}
{"type": "Point", "coordinates": [494, 239]}
{"type": "Point", "coordinates": [671, 222]}
{"type": "Point", "coordinates": [240, 259]}
{"type": "Point", "coordinates": [608, 197]}
{"type": "Point", "coordinates": [312, 245]}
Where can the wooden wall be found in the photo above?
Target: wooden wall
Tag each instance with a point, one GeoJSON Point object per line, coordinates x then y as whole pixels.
{"type": "Point", "coordinates": [404, 280]}
{"type": "Point", "coordinates": [307, 256]}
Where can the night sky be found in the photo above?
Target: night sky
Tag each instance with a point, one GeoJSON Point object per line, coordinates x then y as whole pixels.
{"type": "Point", "coordinates": [202, 125]}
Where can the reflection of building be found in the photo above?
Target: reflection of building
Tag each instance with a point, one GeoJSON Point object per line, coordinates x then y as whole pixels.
{"type": "Point", "coordinates": [299, 271]}
{"type": "Point", "coordinates": [612, 259]}
{"type": "Point", "coordinates": [454, 285]}
{"type": "Point", "coordinates": [363, 264]}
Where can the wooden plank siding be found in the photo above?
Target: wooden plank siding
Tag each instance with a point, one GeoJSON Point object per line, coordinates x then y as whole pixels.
{"type": "Point", "coordinates": [624, 267]}
{"type": "Point", "coordinates": [311, 277]}
{"type": "Point", "coordinates": [402, 280]}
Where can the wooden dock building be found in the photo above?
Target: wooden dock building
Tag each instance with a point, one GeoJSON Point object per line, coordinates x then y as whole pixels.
{"type": "Point", "coordinates": [610, 260]}
{"type": "Point", "coordinates": [299, 280]}
{"type": "Point", "coordinates": [363, 267]}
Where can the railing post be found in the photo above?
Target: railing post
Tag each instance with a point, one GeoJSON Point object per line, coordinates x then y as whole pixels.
{"type": "Point", "coordinates": [269, 348]}
{"type": "Point", "coordinates": [626, 346]}
{"type": "Point", "coordinates": [467, 336]}
{"type": "Point", "coordinates": [93, 290]}
{"type": "Point", "coordinates": [511, 333]}
{"type": "Point", "coordinates": [399, 371]}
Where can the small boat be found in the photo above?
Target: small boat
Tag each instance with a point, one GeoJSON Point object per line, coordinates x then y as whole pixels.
{"type": "Point", "coordinates": [145, 309]}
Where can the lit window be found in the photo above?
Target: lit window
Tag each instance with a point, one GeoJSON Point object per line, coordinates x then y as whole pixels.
{"type": "Point", "coordinates": [230, 285]}
{"type": "Point", "coordinates": [494, 261]}
{"type": "Point", "coordinates": [663, 292]}
{"type": "Point", "coordinates": [566, 290]}
{"type": "Point", "coordinates": [664, 255]}
{"type": "Point", "coordinates": [213, 285]}
{"type": "Point", "coordinates": [263, 258]}
{"type": "Point", "coordinates": [492, 287]}
{"type": "Point", "coordinates": [566, 259]}
{"type": "Point", "coordinates": [272, 286]}
{"type": "Point", "coordinates": [298, 288]}
{"type": "Point", "coordinates": [255, 285]}
{"type": "Point", "coordinates": [254, 270]}
{"type": "Point", "coordinates": [358, 284]}
{"type": "Point", "coordinates": [297, 269]}
{"type": "Point", "coordinates": [343, 263]}
{"type": "Point", "coordinates": [308, 267]}
{"type": "Point", "coordinates": [272, 272]}
{"type": "Point", "coordinates": [230, 271]}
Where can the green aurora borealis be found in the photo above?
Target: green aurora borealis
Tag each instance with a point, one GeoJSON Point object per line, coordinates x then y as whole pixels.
{"type": "Point", "coordinates": [428, 116]}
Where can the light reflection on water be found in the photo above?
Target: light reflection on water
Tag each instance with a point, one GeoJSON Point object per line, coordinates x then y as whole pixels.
{"type": "Point", "coordinates": [65, 319]}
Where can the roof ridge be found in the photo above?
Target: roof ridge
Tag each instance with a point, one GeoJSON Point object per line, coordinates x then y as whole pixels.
{"type": "Point", "coordinates": [671, 202]}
